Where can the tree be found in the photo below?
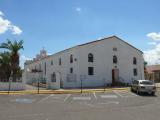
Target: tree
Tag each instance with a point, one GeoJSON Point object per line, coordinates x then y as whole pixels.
{"type": "Point", "coordinates": [145, 65]}
{"type": "Point", "coordinates": [5, 66]}
{"type": "Point", "coordinates": [14, 48]}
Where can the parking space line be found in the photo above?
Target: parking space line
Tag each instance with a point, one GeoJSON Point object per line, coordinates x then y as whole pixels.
{"type": "Point", "coordinates": [95, 95]}
{"type": "Point", "coordinates": [88, 104]}
{"type": "Point", "coordinates": [81, 98]}
{"type": "Point", "coordinates": [117, 93]}
{"type": "Point", "coordinates": [66, 98]}
{"type": "Point", "coordinates": [125, 94]}
{"type": "Point", "coordinates": [45, 98]}
{"type": "Point", "coordinates": [109, 96]}
{"type": "Point", "coordinates": [110, 102]}
{"type": "Point", "coordinates": [26, 115]}
{"type": "Point", "coordinates": [132, 94]}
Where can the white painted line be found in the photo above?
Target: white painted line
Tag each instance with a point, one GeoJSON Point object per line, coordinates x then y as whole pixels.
{"type": "Point", "coordinates": [109, 96]}
{"type": "Point", "coordinates": [109, 103]}
{"type": "Point", "coordinates": [81, 98]}
{"type": "Point", "coordinates": [66, 97]}
{"type": "Point", "coordinates": [116, 92]}
{"type": "Point", "coordinates": [45, 98]}
{"type": "Point", "coordinates": [26, 115]}
{"type": "Point", "coordinates": [132, 94]}
{"type": "Point", "coordinates": [90, 105]}
{"type": "Point", "coordinates": [95, 95]}
{"type": "Point", "coordinates": [128, 94]}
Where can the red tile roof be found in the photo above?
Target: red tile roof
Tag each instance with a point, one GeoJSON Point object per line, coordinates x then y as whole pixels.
{"type": "Point", "coordinates": [153, 68]}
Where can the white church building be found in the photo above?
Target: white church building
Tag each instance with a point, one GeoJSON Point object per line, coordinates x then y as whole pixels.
{"type": "Point", "coordinates": [94, 64]}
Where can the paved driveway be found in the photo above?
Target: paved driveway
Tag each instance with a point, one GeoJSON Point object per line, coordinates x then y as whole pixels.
{"type": "Point", "coordinates": [111, 105]}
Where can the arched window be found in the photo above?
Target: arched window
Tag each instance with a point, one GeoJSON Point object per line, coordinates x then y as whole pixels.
{"type": "Point", "coordinates": [60, 61]}
{"type": "Point", "coordinates": [90, 57]}
{"type": "Point", "coordinates": [115, 61]}
{"type": "Point", "coordinates": [134, 60]}
{"type": "Point", "coordinates": [71, 58]}
{"type": "Point", "coordinates": [53, 77]}
{"type": "Point", "coordinates": [71, 70]}
{"type": "Point", "coordinates": [45, 65]}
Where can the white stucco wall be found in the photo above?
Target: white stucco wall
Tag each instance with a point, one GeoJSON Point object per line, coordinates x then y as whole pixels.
{"type": "Point", "coordinates": [14, 86]}
{"type": "Point", "coordinates": [103, 61]}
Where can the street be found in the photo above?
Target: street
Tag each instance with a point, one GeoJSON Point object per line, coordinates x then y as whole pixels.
{"type": "Point", "coordinates": [110, 105]}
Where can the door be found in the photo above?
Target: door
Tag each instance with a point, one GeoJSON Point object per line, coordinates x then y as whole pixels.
{"type": "Point", "coordinates": [58, 80]}
{"type": "Point", "coordinates": [115, 76]}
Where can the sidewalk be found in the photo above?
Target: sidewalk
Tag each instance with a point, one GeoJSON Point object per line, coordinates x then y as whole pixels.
{"type": "Point", "coordinates": [62, 91]}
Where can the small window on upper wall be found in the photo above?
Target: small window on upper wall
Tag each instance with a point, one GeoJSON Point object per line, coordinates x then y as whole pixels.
{"type": "Point", "coordinates": [71, 58]}
{"type": "Point", "coordinates": [114, 49]}
{"type": "Point", "coordinates": [135, 73]}
{"type": "Point", "coordinates": [90, 57]}
{"type": "Point", "coordinates": [134, 61]}
{"type": "Point", "coordinates": [115, 61]}
{"type": "Point", "coordinates": [60, 61]}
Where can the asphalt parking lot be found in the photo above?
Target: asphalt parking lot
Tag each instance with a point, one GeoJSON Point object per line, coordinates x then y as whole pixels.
{"type": "Point", "coordinates": [112, 105]}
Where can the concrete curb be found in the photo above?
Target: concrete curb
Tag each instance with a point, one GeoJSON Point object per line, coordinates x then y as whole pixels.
{"type": "Point", "coordinates": [73, 91]}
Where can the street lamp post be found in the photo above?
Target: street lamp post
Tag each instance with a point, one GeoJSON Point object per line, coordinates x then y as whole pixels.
{"type": "Point", "coordinates": [81, 82]}
{"type": "Point", "coordinates": [38, 85]}
{"type": "Point", "coordinates": [104, 84]}
{"type": "Point", "coordinates": [81, 85]}
{"type": "Point", "coordinates": [10, 80]}
{"type": "Point", "coordinates": [82, 77]}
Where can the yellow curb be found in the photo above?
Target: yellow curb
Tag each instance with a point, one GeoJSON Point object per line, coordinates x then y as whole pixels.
{"type": "Point", "coordinates": [61, 91]}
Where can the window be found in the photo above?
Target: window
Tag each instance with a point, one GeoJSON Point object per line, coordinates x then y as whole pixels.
{"type": "Point", "coordinates": [114, 49]}
{"type": "Point", "coordinates": [45, 68]}
{"type": "Point", "coordinates": [90, 70]}
{"type": "Point", "coordinates": [115, 59]}
{"type": "Point", "coordinates": [90, 57]}
{"type": "Point", "coordinates": [51, 62]}
{"type": "Point", "coordinates": [71, 70]}
{"type": "Point", "coordinates": [135, 72]}
{"type": "Point", "coordinates": [53, 77]}
{"type": "Point", "coordinates": [60, 62]}
{"type": "Point", "coordinates": [39, 66]}
{"type": "Point", "coordinates": [134, 60]}
{"type": "Point", "coordinates": [71, 59]}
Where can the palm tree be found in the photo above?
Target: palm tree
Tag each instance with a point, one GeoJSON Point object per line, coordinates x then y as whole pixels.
{"type": "Point", "coordinates": [5, 66]}
{"type": "Point", "coordinates": [14, 48]}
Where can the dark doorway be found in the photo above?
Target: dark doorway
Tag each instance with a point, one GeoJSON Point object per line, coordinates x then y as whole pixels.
{"type": "Point", "coordinates": [115, 76]}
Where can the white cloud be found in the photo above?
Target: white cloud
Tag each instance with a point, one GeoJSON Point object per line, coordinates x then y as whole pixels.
{"type": "Point", "coordinates": [1, 13]}
{"type": "Point", "coordinates": [152, 43]}
{"type": "Point", "coordinates": [16, 30]}
{"type": "Point", "coordinates": [78, 9]}
{"type": "Point", "coordinates": [154, 36]}
{"type": "Point", "coordinates": [152, 56]}
{"type": "Point", "coordinates": [6, 25]}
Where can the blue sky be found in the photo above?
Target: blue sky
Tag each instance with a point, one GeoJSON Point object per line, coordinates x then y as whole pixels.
{"type": "Point", "coordinates": [60, 24]}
